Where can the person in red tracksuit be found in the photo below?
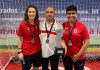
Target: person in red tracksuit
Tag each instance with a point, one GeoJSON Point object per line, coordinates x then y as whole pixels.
{"type": "Point", "coordinates": [28, 39]}
{"type": "Point", "coordinates": [75, 40]}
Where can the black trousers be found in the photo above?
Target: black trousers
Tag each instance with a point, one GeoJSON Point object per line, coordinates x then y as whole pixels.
{"type": "Point", "coordinates": [68, 64]}
{"type": "Point", "coordinates": [54, 60]}
{"type": "Point", "coordinates": [35, 59]}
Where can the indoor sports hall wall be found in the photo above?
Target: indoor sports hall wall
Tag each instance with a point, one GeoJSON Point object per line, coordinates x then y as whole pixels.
{"type": "Point", "coordinates": [12, 12]}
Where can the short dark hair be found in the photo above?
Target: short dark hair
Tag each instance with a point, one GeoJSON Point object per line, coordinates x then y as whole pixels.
{"type": "Point", "coordinates": [71, 8]}
{"type": "Point", "coordinates": [26, 18]}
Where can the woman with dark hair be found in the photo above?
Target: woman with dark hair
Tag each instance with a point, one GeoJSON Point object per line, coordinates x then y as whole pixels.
{"type": "Point", "coordinates": [76, 38]}
{"type": "Point", "coordinates": [29, 47]}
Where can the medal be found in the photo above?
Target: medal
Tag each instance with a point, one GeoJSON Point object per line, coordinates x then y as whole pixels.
{"type": "Point", "coordinates": [48, 31]}
{"type": "Point", "coordinates": [69, 43]}
{"type": "Point", "coordinates": [32, 34]}
{"type": "Point", "coordinates": [70, 31]}
{"type": "Point", "coordinates": [47, 41]}
{"type": "Point", "coordinates": [32, 41]}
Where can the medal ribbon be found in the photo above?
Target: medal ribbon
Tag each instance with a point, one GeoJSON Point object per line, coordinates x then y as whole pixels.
{"type": "Point", "coordinates": [70, 30]}
{"type": "Point", "coordinates": [49, 31]}
{"type": "Point", "coordinates": [31, 31]}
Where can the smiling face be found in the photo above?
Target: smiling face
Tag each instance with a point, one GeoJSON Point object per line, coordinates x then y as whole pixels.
{"type": "Point", "coordinates": [50, 13]}
{"type": "Point", "coordinates": [31, 13]}
{"type": "Point", "coordinates": [71, 15]}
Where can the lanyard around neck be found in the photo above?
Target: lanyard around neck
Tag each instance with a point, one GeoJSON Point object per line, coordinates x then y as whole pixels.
{"type": "Point", "coordinates": [49, 31]}
{"type": "Point", "coordinates": [70, 30]}
{"type": "Point", "coordinates": [31, 31]}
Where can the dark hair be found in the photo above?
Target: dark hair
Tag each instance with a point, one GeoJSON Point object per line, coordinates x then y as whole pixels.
{"type": "Point", "coordinates": [26, 18]}
{"type": "Point", "coordinates": [71, 8]}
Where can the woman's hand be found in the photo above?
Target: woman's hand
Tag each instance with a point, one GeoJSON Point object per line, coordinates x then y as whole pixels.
{"type": "Point", "coordinates": [75, 57]}
{"type": "Point", "coordinates": [21, 56]}
{"type": "Point", "coordinates": [65, 48]}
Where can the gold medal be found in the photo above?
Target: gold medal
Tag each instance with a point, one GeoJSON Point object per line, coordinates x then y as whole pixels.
{"type": "Point", "coordinates": [32, 41]}
{"type": "Point", "coordinates": [69, 43]}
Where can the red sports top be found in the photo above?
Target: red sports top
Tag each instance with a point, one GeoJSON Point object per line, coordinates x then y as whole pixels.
{"type": "Point", "coordinates": [27, 47]}
{"type": "Point", "coordinates": [79, 34]}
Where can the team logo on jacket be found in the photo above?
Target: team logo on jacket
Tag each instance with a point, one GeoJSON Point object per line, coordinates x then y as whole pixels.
{"type": "Point", "coordinates": [75, 30]}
